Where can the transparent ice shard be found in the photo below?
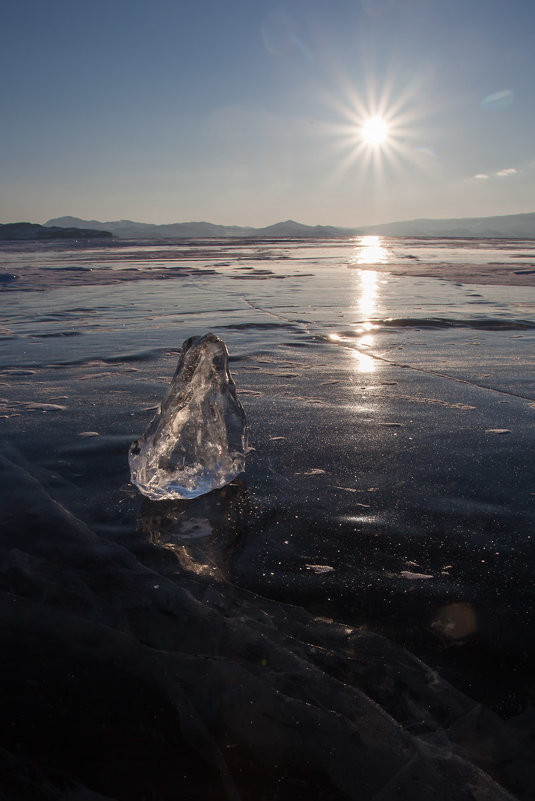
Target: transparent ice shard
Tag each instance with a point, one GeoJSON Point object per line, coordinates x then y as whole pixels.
{"type": "Point", "coordinates": [198, 439]}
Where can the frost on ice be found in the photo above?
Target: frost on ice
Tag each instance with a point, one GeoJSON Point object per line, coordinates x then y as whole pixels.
{"type": "Point", "coordinates": [198, 439]}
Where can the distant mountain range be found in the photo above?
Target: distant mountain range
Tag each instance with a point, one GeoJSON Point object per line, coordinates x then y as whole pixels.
{"type": "Point", "coordinates": [26, 230]}
{"type": "Point", "coordinates": [516, 226]}
{"type": "Point", "coordinates": [127, 229]}
{"type": "Point", "coordinates": [510, 226]}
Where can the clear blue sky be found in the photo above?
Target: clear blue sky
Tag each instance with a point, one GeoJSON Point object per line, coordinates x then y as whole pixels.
{"type": "Point", "coordinates": [248, 111]}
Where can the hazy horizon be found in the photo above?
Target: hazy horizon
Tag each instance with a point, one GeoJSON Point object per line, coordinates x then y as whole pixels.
{"type": "Point", "coordinates": [275, 222]}
{"type": "Point", "coordinates": [249, 114]}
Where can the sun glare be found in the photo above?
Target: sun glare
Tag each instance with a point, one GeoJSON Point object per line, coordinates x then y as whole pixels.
{"type": "Point", "coordinates": [380, 127]}
{"type": "Point", "coordinates": [374, 131]}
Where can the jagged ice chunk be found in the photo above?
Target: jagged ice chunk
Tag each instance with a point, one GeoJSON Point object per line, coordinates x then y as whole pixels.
{"type": "Point", "coordinates": [198, 439]}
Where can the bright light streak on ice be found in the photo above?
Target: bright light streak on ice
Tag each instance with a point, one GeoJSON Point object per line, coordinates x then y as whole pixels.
{"type": "Point", "coordinates": [371, 251]}
{"type": "Point", "coordinates": [366, 301]}
{"type": "Point", "coordinates": [367, 292]}
{"type": "Point", "coordinates": [365, 363]}
{"type": "Point", "coordinates": [366, 304]}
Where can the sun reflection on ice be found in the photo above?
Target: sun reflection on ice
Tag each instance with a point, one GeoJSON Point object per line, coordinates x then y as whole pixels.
{"type": "Point", "coordinates": [366, 303]}
{"type": "Point", "coordinates": [365, 363]}
{"type": "Point", "coordinates": [367, 299]}
{"type": "Point", "coordinates": [365, 289]}
{"type": "Point", "coordinates": [370, 250]}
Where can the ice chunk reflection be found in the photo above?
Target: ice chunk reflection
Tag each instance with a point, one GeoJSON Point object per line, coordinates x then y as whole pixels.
{"type": "Point", "coordinates": [203, 532]}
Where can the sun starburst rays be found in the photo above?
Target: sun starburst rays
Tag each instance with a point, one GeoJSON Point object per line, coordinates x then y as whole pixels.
{"type": "Point", "coordinates": [379, 131]}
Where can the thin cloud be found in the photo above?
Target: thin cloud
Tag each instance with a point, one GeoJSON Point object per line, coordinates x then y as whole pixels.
{"type": "Point", "coordinates": [508, 171]}
{"type": "Point", "coordinates": [481, 175]}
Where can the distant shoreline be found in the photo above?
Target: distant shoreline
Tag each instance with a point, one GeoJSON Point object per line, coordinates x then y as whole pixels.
{"type": "Point", "coordinates": [33, 232]}
{"type": "Point", "coordinates": [509, 226]}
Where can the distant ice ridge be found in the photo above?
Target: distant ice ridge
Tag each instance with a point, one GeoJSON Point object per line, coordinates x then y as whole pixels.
{"type": "Point", "coordinates": [198, 439]}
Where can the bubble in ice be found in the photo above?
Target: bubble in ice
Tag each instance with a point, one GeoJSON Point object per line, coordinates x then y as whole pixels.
{"type": "Point", "coordinates": [198, 438]}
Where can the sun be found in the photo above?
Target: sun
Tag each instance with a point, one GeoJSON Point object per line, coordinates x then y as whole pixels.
{"type": "Point", "coordinates": [374, 131]}
{"type": "Point", "coordinates": [377, 132]}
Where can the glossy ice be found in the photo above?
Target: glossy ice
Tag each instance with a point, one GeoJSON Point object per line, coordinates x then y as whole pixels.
{"type": "Point", "coordinates": [373, 401]}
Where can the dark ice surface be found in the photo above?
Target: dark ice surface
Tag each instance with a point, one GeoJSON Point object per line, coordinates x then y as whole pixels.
{"type": "Point", "coordinates": [352, 618]}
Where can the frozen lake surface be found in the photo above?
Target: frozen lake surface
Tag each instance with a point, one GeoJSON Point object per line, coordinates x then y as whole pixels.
{"type": "Point", "coordinates": [391, 485]}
